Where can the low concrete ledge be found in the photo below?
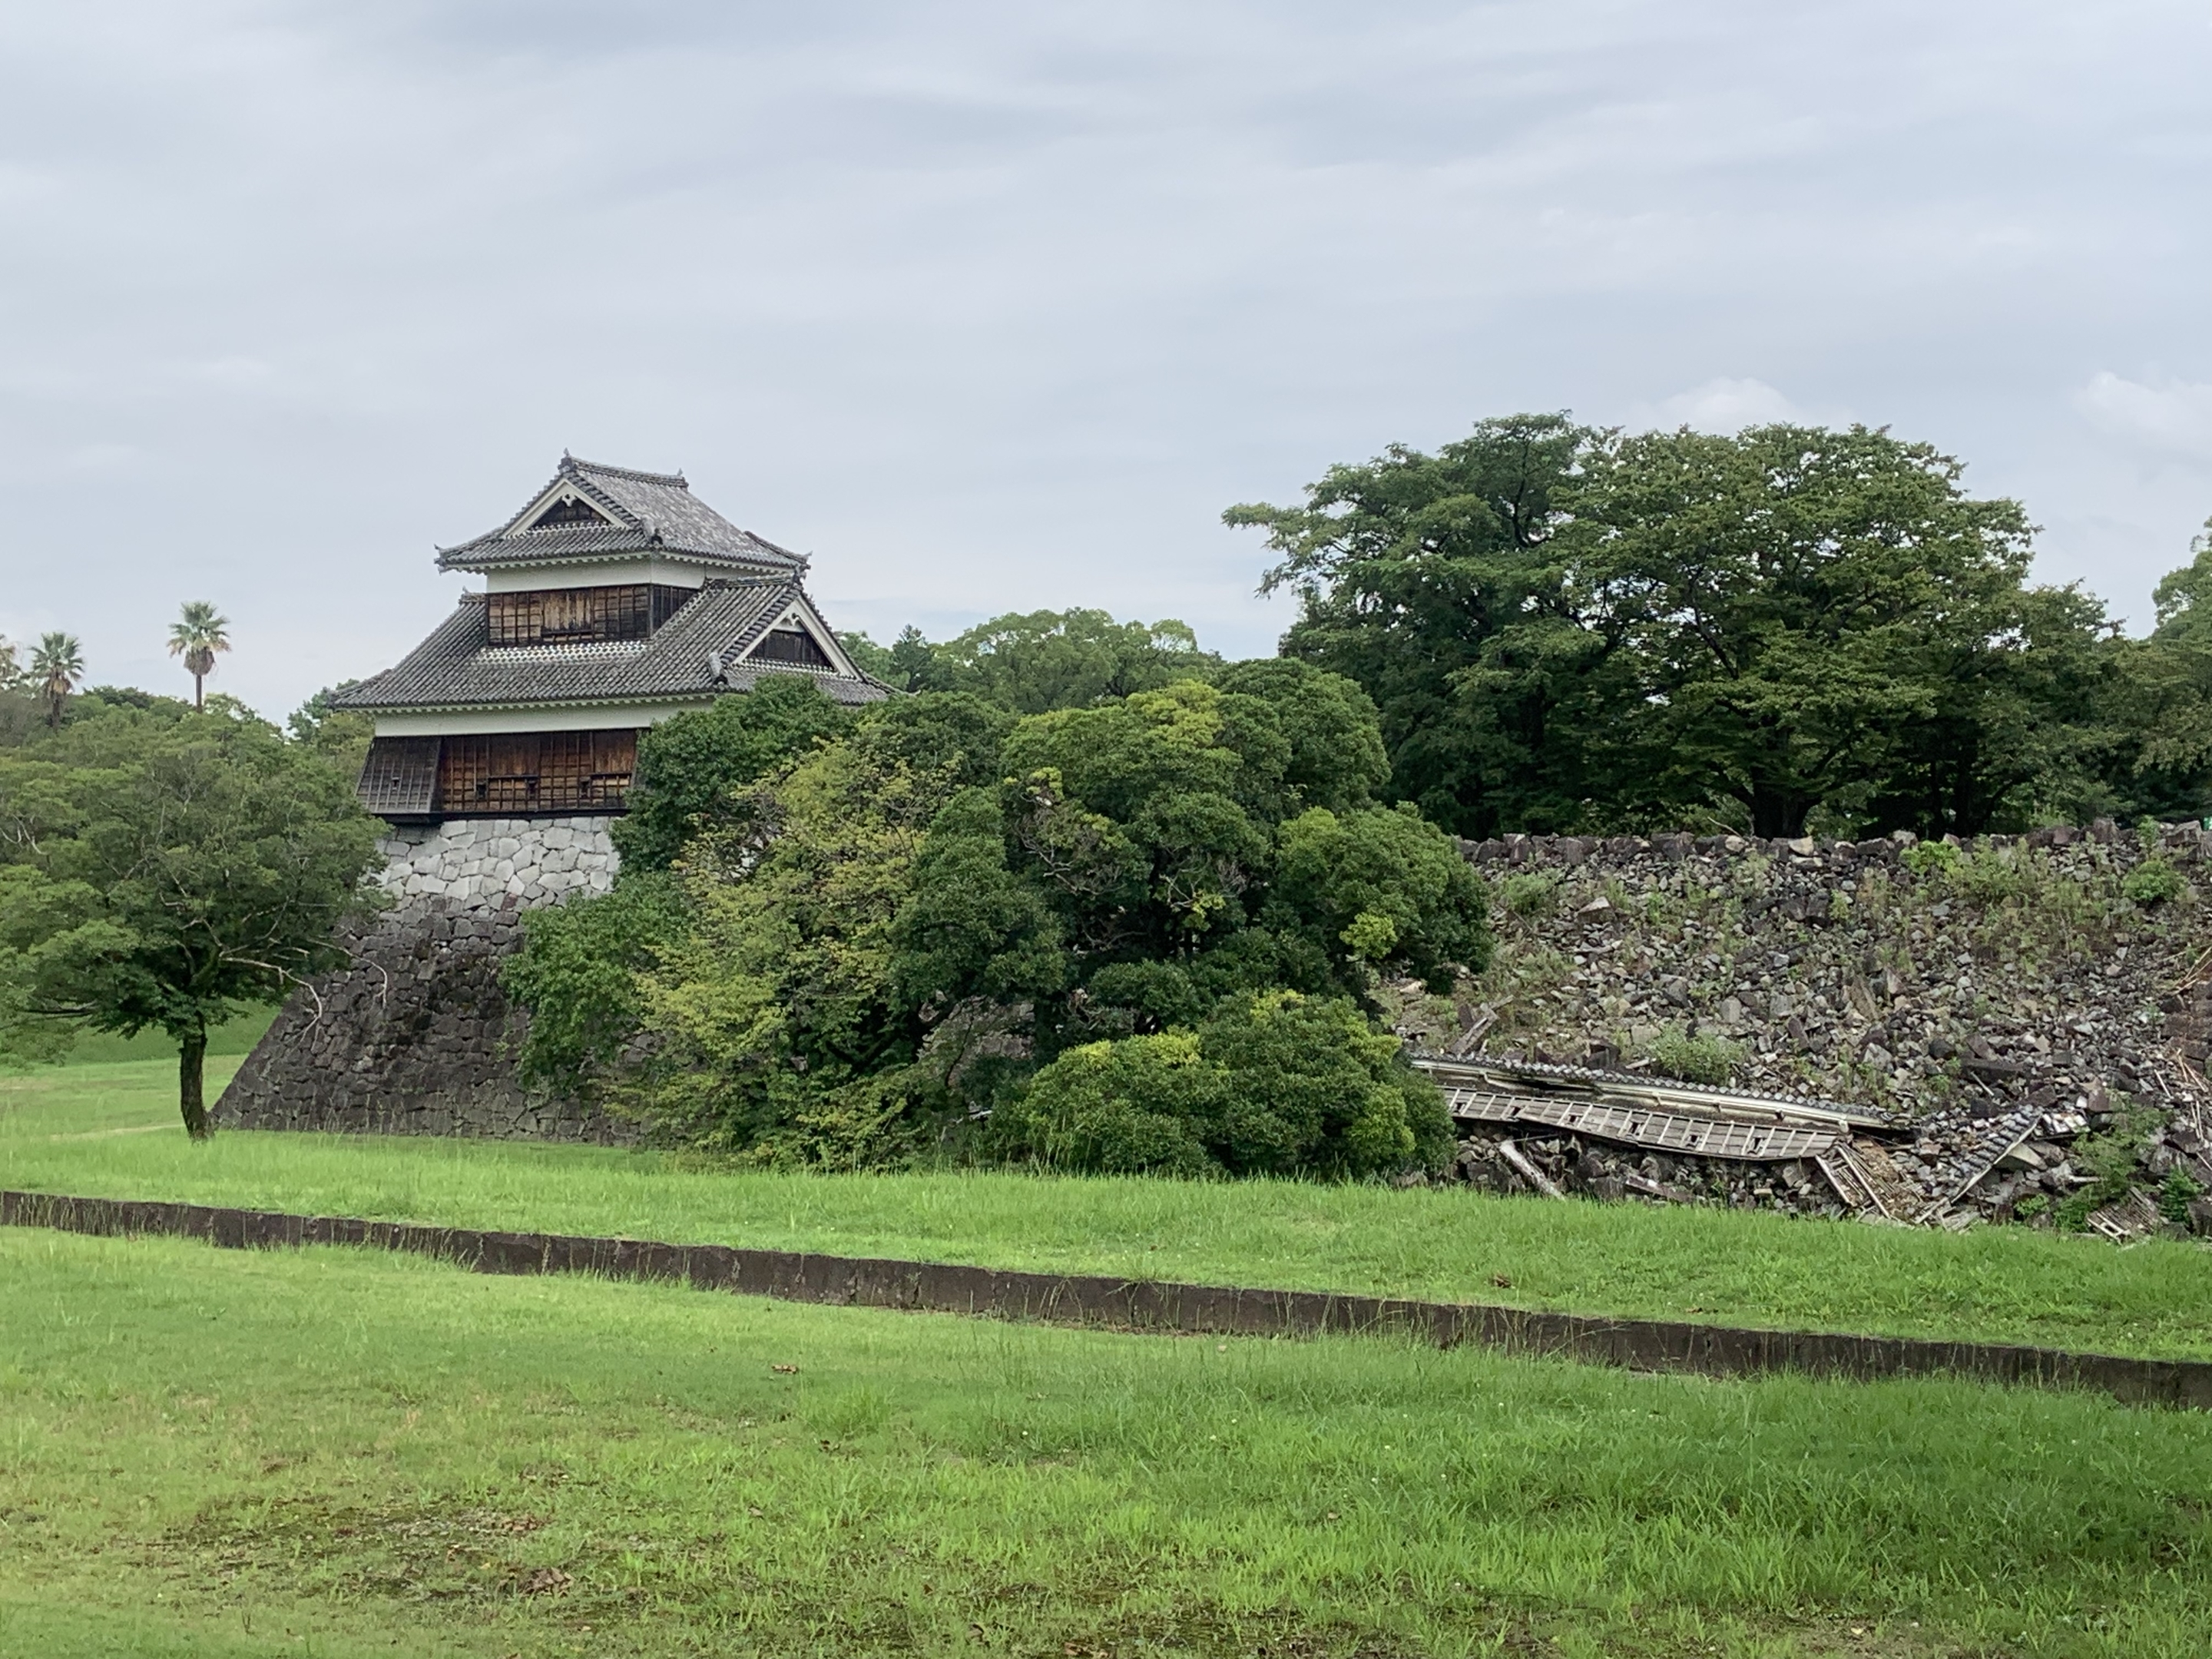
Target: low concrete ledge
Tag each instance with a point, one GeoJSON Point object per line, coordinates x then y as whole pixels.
{"type": "Point", "coordinates": [1646, 1345]}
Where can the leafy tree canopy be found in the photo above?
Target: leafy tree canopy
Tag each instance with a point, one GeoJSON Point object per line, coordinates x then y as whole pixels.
{"type": "Point", "coordinates": [1566, 628]}
{"type": "Point", "coordinates": [161, 869]}
{"type": "Point", "coordinates": [878, 941]}
{"type": "Point", "coordinates": [1044, 659]}
{"type": "Point", "coordinates": [692, 770]}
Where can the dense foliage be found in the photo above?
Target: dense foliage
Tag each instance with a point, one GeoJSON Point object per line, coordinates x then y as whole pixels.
{"type": "Point", "coordinates": [867, 944]}
{"type": "Point", "coordinates": [1044, 659]}
{"type": "Point", "coordinates": [1271, 1084]}
{"type": "Point", "coordinates": [689, 768]}
{"type": "Point", "coordinates": [161, 868]}
{"type": "Point", "coordinates": [1566, 628]}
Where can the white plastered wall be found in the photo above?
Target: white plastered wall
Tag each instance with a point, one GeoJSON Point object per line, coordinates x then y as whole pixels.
{"type": "Point", "coordinates": [601, 717]}
{"type": "Point", "coordinates": [609, 573]}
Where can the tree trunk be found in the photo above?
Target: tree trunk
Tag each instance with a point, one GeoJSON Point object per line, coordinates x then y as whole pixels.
{"type": "Point", "coordinates": [1775, 815]}
{"type": "Point", "coordinates": [192, 1093]}
{"type": "Point", "coordinates": [198, 703]}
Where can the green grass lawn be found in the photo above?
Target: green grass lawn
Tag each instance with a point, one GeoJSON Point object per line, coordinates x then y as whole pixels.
{"type": "Point", "coordinates": [111, 1130]}
{"type": "Point", "coordinates": [342, 1453]}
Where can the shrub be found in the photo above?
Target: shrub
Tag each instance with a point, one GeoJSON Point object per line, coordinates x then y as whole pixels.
{"type": "Point", "coordinates": [2174, 1195]}
{"type": "Point", "coordinates": [1144, 1105]}
{"type": "Point", "coordinates": [1709, 1061]}
{"type": "Point", "coordinates": [1528, 894]}
{"type": "Point", "coordinates": [1987, 878]}
{"type": "Point", "coordinates": [1929, 857]}
{"type": "Point", "coordinates": [1272, 1085]}
{"type": "Point", "coordinates": [577, 974]}
{"type": "Point", "coordinates": [2152, 882]}
{"type": "Point", "coordinates": [2111, 1159]}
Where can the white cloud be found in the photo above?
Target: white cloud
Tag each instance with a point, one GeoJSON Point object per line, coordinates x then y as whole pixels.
{"type": "Point", "coordinates": [1728, 405]}
{"type": "Point", "coordinates": [2173, 417]}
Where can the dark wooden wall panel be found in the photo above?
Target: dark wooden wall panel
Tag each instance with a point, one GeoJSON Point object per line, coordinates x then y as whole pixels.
{"type": "Point", "coordinates": [514, 775]}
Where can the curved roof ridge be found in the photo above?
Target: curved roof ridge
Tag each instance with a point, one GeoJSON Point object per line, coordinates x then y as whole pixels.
{"type": "Point", "coordinates": [573, 464]}
{"type": "Point", "coordinates": [646, 513]}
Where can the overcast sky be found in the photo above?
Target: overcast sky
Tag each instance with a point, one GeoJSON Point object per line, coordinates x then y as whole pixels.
{"type": "Point", "coordinates": [996, 305]}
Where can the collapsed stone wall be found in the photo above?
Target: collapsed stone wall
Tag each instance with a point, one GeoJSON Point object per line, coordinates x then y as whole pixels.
{"type": "Point", "coordinates": [1995, 1000]}
{"type": "Point", "coordinates": [415, 1035]}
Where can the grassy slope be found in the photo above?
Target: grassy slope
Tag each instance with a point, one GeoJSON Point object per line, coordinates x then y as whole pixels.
{"type": "Point", "coordinates": [79, 1130]}
{"type": "Point", "coordinates": [234, 1039]}
{"type": "Point", "coordinates": [221, 1453]}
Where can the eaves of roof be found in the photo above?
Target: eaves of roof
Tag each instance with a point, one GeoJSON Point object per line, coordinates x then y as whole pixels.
{"type": "Point", "coordinates": [692, 654]}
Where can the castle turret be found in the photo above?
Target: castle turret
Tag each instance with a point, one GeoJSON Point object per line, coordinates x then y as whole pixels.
{"type": "Point", "coordinates": [611, 601]}
{"type": "Point", "coordinates": [504, 749]}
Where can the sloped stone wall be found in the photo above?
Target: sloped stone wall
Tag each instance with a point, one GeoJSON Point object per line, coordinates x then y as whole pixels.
{"type": "Point", "coordinates": [417, 1036]}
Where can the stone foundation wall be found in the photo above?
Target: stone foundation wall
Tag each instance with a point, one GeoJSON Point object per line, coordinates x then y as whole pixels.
{"type": "Point", "coordinates": [475, 860]}
{"type": "Point", "coordinates": [417, 1036]}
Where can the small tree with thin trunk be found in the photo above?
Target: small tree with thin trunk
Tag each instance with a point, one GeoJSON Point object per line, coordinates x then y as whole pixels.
{"type": "Point", "coordinates": [175, 872]}
{"type": "Point", "coordinates": [197, 635]}
{"type": "Point", "coordinates": [56, 667]}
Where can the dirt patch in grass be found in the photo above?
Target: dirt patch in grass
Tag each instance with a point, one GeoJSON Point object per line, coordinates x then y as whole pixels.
{"type": "Point", "coordinates": [429, 1550]}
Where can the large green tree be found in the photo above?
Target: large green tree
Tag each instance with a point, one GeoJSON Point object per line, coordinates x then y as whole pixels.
{"type": "Point", "coordinates": [2157, 731]}
{"type": "Point", "coordinates": [1569, 629]}
{"type": "Point", "coordinates": [159, 872]}
{"type": "Point", "coordinates": [1813, 615]}
{"type": "Point", "coordinates": [1411, 569]}
{"type": "Point", "coordinates": [1044, 659]}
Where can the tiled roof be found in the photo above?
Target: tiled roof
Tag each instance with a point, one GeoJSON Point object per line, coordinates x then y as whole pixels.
{"type": "Point", "coordinates": [692, 655]}
{"type": "Point", "coordinates": [649, 513]}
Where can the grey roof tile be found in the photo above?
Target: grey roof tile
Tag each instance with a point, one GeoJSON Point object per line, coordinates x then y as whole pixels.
{"type": "Point", "coordinates": [649, 513]}
{"type": "Point", "coordinates": [692, 655]}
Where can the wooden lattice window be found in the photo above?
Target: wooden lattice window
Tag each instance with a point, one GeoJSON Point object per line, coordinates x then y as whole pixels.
{"type": "Point", "coordinates": [400, 778]}
{"type": "Point", "coordinates": [790, 645]}
{"type": "Point", "coordinates": [570, 616]}
{"type": "Point", "coordinates": [519, 774]}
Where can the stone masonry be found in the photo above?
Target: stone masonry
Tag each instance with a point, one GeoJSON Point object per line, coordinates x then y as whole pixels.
{"type": "Point", "coordinates": [1997, 1001]}
{"type": "Point", "coordinates": [472, 860]}
{"type": "Point", "coordinates": [415, 1035]}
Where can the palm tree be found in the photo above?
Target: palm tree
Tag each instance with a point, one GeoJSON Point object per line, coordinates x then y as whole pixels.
{"type": "Point", "coordinates": [56, 666]}
{"type": "Point", "coordinates": [196, 636]}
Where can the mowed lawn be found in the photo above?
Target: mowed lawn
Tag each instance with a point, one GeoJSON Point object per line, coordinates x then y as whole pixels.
{"type": "Point", "coordinates": [347, 1453]}
{"type": "Point", "coordinates": [110, 1130]}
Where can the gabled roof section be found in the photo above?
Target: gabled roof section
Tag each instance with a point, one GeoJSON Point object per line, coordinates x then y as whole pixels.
{"type": "Point", "coordinates": [601, 513]}
{"type": "Point", "coordinates": [697, 653]}
{"type": "Point", "coordinates": [799, 617]}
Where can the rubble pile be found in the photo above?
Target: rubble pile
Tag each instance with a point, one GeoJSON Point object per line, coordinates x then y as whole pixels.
{"type": "Point", "coordinates": [2019, 1023]}
{"type": "Point", "coordinates": [1612, 1173]}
